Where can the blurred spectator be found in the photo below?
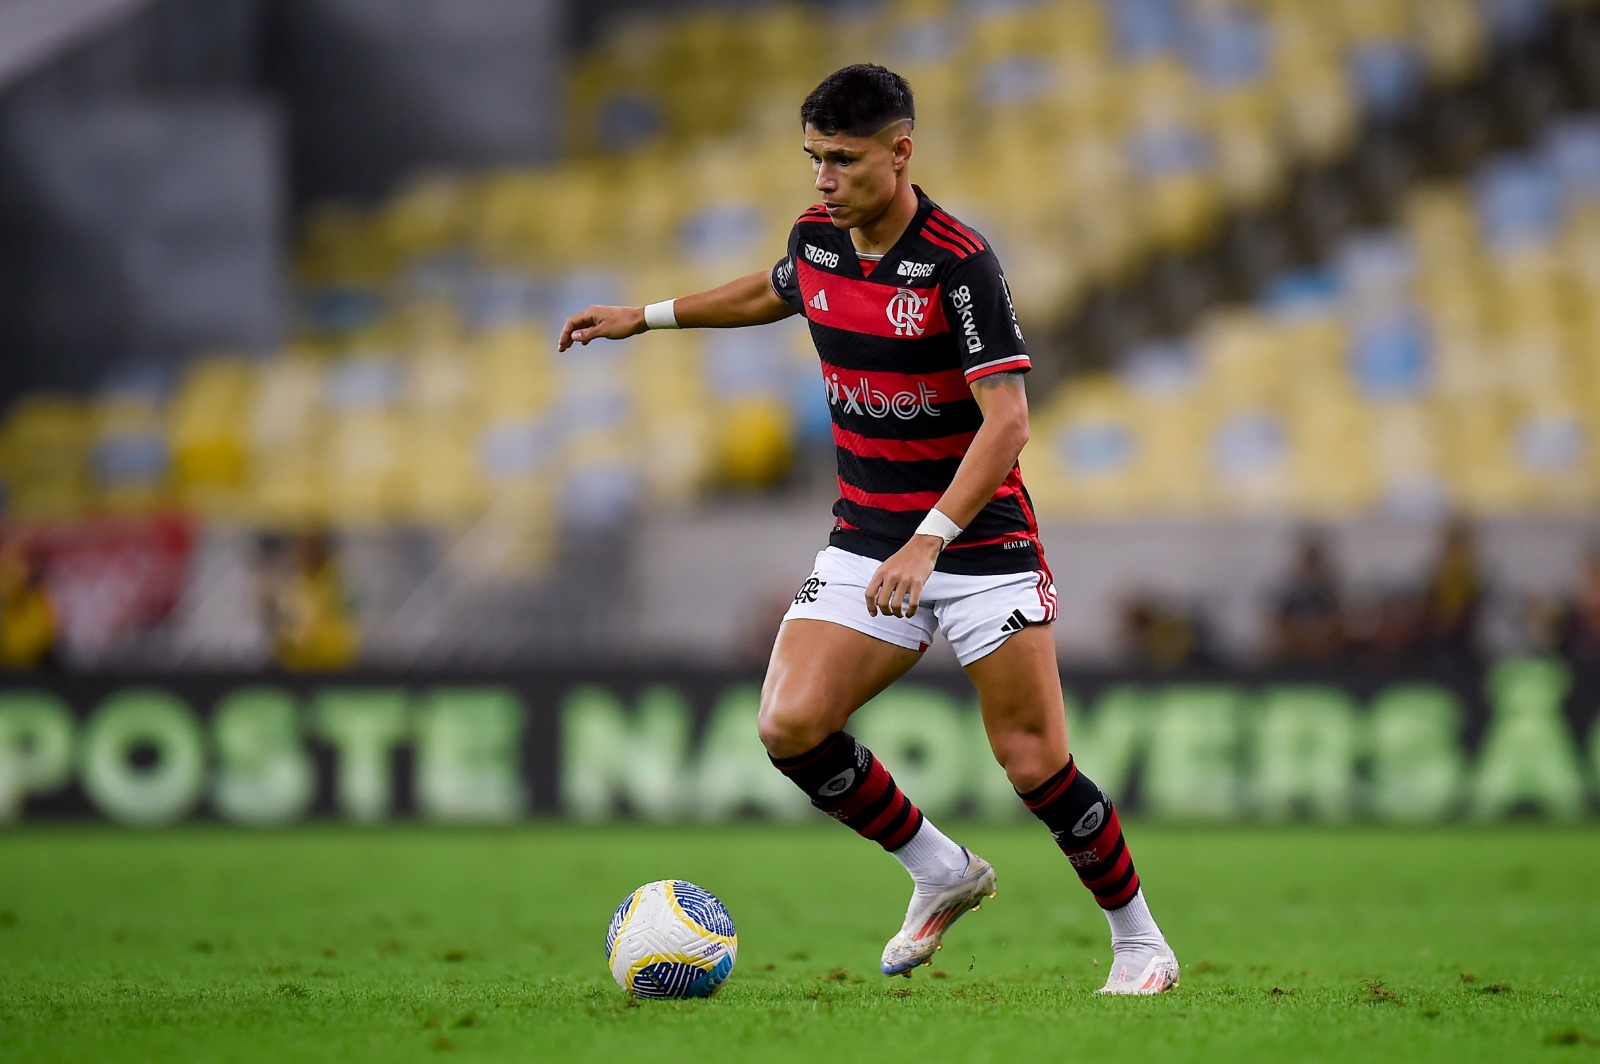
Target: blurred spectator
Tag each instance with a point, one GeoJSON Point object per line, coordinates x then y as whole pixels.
{"type": "Point", "coordinates": [1156, 635]}
{"type": "Point", "coordinates": [1580, 637]}
{"type": "Point", "coordinates": [27, 615]}
{"type": "Point", "coordinates": [1395, 628]}
{"type": "Point", "coordinates": [307, 609]}
{"type": "Point", "coordinates": [1541, 624]}
{"type": "Point", "coordinates": [1308, 621]}
{"type": "Point", "coordinates": [1453, 596]}
{"type": "Point", "coordinates": [764, 618]}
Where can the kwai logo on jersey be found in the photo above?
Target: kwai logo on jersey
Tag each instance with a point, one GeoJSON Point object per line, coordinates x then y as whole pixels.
{"type": "Point", "coordinates": [915, 270]}
{"type": "Point", "coordinates": [829, 259]}
{"type": "Point", "coordinates": [908, 312]}
{"type": "Point", "coordinates": [1016, 326]}
{"type": "Point", "coordinates": [961, 299]}
{"type": "Point", "coordinates": [874, 402]}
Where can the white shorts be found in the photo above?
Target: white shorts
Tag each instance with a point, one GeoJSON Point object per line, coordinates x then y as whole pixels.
{"type": "Point", "coordinates": [976, 613]}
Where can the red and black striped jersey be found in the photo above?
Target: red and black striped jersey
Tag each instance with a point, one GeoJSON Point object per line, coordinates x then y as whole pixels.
{"type": "Point", "coordinates": [901, 341]}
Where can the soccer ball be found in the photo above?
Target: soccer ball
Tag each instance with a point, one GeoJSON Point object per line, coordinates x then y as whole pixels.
{"type": "Point", "coordinates": [671, 939]}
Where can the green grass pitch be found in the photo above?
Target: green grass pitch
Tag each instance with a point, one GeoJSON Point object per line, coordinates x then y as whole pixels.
{"type": "Point", "coordinates": [343, 944]}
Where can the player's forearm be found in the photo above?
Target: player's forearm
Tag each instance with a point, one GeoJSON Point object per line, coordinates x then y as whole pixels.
{"type": "Point", "coordinates": [749, 300]}
{"type": "Point", "coordinates": [988, 461]}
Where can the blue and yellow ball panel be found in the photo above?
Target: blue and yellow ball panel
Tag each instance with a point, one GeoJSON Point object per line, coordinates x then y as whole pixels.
{"type": "Point", "coordinates": [679, 977]}
{"type": "Point", "coordinates": [619, 920]}
{"type": "Point", "coordinates": [701, 908]}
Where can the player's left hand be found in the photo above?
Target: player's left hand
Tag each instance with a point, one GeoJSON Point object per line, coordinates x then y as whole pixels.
{"type": "Point", "coordinates": [896, 586]}
{"type": "Point", "coordinates": [601, 323]}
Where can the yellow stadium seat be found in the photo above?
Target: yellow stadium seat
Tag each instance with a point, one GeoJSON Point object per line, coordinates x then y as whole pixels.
{"type": "Point", "coordinates": [364, 469]}
{"type": "Point", "coordinates": [131, 455]}
{"type": "Point", "coordinates": [1479, 462]}
{"type": "Point", "coordinates": [754, 442]}
{"type": "Point", "coordinates": [1243, 359]}
{"type": "Point", "coordinates": [1250, 161]}
{"type": "Point", "coordinates": [439, 479]}
{"type": "Point", "coordinates": [1452, 38]}
{"type": "Point", "coordinates": [1100, 452]}
{"type": "Point", "coordinates": [288, 489]}
{"type": "Point", "coordinates": [44, 458]}
{"type": "Point", "coordinates": [341, 244]}
{"type": "Point", "coordinates": [1368, 20]}
{"type": "Point", "coordinates": [513, 218]}
{"type": "Point", "coordinates": [1181, 211]}
{"type": "Point", "coordinates": [1334, 467]}
{"type": "Point", "coordinates": [427, 216]}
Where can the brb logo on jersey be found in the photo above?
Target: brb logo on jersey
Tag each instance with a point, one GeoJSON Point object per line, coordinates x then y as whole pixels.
{"type": "Point", "coordinates": [915, 270]}
{"type": "Point", "coordinates": [830, 259]}
{"type": "Point", "coordinates": [875, 402]}
{"type": "Point", "coordinates": [907, 312]}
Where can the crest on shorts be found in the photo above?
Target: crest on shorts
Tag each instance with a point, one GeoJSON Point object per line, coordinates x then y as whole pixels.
{"type": "Point", "coordinates": [808, 590]}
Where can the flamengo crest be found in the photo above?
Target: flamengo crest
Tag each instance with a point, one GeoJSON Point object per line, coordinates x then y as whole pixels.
{"type": "Point", "coordinates": [907, 311]}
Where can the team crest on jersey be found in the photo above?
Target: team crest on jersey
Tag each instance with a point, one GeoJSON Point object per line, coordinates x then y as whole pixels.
{"type": "Point", "coordinates": [908, 312]}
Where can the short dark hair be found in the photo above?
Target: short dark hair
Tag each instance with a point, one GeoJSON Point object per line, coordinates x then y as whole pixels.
{"type": "Point", "coordinates": [858, 101]}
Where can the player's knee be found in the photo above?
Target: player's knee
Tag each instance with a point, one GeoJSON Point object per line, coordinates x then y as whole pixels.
{"type": "Point", "coordinates": [786, 732]}
{"type": "Point", "coordinates": [1028, 757]}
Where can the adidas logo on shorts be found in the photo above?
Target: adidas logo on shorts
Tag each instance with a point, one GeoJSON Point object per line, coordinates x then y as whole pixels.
{"type": "Point", "coordinates": [1014, 623]}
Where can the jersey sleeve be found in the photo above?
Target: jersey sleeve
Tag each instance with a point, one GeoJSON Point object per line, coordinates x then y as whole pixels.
{"type": "Point", "coordinates": [977, 304]}
{"type": "Point", "coordinates": [785, 279]}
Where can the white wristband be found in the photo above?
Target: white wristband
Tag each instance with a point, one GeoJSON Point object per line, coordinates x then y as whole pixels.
{"type": "Point", "coordinates": [937, 524]}
{"type": "Point", "coordinates": [661, 315]}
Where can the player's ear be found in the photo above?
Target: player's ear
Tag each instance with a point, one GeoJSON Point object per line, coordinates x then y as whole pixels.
{"type": "Point", "coordinates": [902, 151]}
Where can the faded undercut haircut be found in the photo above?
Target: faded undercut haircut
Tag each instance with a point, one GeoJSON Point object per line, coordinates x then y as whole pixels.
{"type": "Point", "coordinates": [858, 101]}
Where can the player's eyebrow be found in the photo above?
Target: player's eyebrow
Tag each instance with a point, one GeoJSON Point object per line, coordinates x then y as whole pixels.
{"type": "Point", "coordinates": [834, 153]}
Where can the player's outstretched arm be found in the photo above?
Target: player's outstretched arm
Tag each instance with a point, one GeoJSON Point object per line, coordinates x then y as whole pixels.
{"type": "Point", "coordinates": [747, 301]}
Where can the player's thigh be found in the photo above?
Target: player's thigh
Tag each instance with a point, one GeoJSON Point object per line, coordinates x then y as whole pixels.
{"type": "Point", "coordinates": [820, 673]}
{"type": "Point", "coordinates": [1019, 693]}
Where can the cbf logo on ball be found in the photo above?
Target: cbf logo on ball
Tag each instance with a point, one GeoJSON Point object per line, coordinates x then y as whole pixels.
{"type": "Point", "coordinates": [907, 312]}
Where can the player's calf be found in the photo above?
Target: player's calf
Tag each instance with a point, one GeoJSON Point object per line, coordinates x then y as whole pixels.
{"type": "Point", "coordinates": [844, 780]}
{"type": "Point", "coordinates": [1086, 828]}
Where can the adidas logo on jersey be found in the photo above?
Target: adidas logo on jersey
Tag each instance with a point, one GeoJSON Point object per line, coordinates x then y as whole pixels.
{"type": "Point", "coordinates": [1014, 623]}
{"type": "Point", "coordinates": [820, 300]}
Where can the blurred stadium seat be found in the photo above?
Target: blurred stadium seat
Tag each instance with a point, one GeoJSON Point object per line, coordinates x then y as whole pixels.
{"type": "Point", "coordinates": [1426, 343]}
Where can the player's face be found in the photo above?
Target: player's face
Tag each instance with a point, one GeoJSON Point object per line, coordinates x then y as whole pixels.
{"type": "Point", "coordinates": [856, 175]}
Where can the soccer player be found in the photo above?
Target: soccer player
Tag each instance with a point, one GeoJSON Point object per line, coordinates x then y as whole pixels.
{"type": "Point", "coordinates": [922, 365]}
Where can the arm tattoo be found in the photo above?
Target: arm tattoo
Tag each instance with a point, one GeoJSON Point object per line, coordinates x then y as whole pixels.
{"type": "Point", "coordinates": [997, 379]}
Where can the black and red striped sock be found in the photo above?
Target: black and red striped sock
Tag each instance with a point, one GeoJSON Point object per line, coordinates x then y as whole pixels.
{"type": "Point", "coordinates": [1085, 825]}
{"type": "Point", "coordinates": [844, 780]}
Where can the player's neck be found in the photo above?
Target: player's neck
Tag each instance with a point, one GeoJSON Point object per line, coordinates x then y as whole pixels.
{"type": "Point", "coordinates": [880, 234]}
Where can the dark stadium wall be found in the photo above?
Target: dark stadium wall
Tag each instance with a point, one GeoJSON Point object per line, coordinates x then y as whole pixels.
{"type": "Point", "coordinates": [1519, 738]}
{"type": "Point", "coordinates": [141, 198]}
{"type": "Point", "coordinates": [380, 88]}
{"type": "Point", "coordinates": [146, 170]}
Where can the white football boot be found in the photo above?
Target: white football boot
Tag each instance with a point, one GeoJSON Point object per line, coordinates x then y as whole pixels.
{"type": "Point", "coordinates": [1142, 972]}
{"type": "Point", "coordinates": [930, 916]}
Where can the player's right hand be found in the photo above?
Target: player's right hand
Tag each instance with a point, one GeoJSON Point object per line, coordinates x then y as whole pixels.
{"type": "Point", "coordinates": [601, 323]}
